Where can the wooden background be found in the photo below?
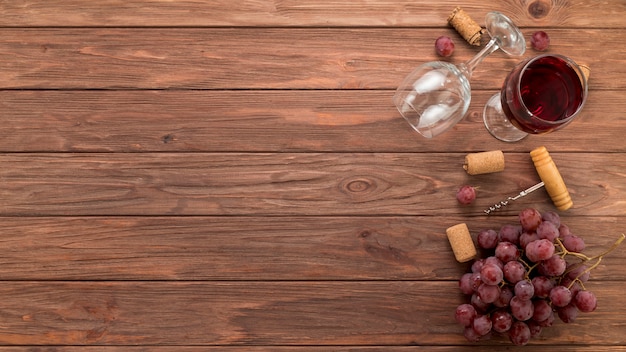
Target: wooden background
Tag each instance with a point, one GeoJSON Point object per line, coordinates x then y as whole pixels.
{"type": "Point", "coordinates": [232, 175]}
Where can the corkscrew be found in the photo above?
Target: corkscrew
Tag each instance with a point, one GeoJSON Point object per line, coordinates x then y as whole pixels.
{"type": "Point", "coordinates": [550, 179]}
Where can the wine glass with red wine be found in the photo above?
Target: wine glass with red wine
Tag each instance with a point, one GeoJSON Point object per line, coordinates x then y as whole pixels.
{"type": "Point", "coordinates": [540, 95]}
{"type": "Point", "coordinates": [437, 94]}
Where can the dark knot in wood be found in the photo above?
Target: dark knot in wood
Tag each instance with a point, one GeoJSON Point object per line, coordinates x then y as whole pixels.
{"type": "Point", "coordinates": [539, 9]}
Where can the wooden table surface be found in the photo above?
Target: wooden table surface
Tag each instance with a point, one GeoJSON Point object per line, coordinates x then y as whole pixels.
{"type": "Point", "coordinates": [233, 175]}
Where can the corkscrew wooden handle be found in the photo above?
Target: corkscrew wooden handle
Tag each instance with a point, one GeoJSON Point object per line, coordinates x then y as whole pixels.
{"type": "Point", "coordinates": [553, 182]}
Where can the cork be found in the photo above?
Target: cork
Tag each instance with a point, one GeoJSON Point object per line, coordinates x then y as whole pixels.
{"type": "Point", "coordinates": [484, 162]}
{"type": "Point", "coordinates": [585, 70]}
{"type": "Point", "coordinates": [461, 242]}
{"type": "Point", "coordinates": [465, 26]}
{"type": "Point", "coordinates": [551, 177]}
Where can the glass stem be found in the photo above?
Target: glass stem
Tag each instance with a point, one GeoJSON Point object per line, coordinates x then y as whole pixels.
{"type": "Point", "coordinates": [469, 66]}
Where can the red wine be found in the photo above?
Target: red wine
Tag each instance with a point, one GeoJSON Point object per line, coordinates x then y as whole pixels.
{"type": "Point", "coordinates": [549, 92]}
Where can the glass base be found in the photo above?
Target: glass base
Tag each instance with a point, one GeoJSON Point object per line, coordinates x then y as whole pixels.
{"type": "Point", "coordinates": [498, 124]}
{"type": "Point", "coordinates": [509, 37]}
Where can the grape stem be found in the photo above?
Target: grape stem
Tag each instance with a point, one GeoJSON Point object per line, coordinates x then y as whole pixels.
{"type": "Point", "coordinates": [584, 258]}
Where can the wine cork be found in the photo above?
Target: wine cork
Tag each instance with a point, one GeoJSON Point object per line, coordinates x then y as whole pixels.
{"type": "Point", "coordinates": [553, 182]}
{"type": "Point", "coordinates": [484, 162]}
{"type": "Point", "coordinates": [465, 26]}
{"type": "Point", "coordinates": [586, 71]}
{"type": "Point", "coordinates": [461, 242]}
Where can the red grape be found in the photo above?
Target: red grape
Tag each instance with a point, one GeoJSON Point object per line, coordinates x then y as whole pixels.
{"type": "Point", "coordinates": [539, 250]}
{"type": "Point", "coordinates": [585, 301]}
{"type": "Point", "coordinates": [510, 233]}
{"type": "Point", "coordinates": [488, 293]}
{"type": "Point", "coordinates": [540, 40]}
{"type": "Point", "coordinates": [507, 251]}
{"type": "Point", "coordinates": [444, 46]}
{"type": "Point", "coordinates": [553, 217]}
{"type": "Point", "coordinates": [553, 266]}
{"type": "Point", "coordinates": [568, 314]}
{"type": "Point", "coordinates": [465, 314]}
{"type": "Point", "coordinates": [522, 310]}
{"type": "Point", "coordinates": [487, 239]}
{"type": "Point", "coordinates": [547, 230]}
{"type": "Point", "coordinates": [466, 195]}
{"type": "Point", "coordinates": [519, 334]}
{"type": "Point", "coordinates": [560, 296]}
{"type": "Point", "coordinates": [543, 285]}
{"type": "Point", "coordinates": [524, 290]}
{"type": "Point", "coordinates": [529, 219]}
{"type": "Point", "coordinates": [542, 310]}
{"type": "Point", "coordinates": [514, 271]}
{"type": "Point", "coordinates": [573, 243]}
{"type": "Point", "coordinates": [501, 320]}
{"type": "Point", "coordinates": [482, 325]}
{"type": "Point", "coordinates": [491, 274]}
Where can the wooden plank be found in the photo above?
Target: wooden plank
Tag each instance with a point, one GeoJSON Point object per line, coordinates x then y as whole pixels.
{"type": "Point", "coordinates": [290, 184]}
{"type": "Point", "coordinates": [268, 121]}
{"type": "Point", "coordinates": [418, 13]}
{"type": "Point", "coordinates": [261, 248]}
{"type": "Point", "coordinates": [570, 348]}
{"type": "Point", "coordinates": [263, 58]}
{"type": "Point", "coordinates": [266, 313]}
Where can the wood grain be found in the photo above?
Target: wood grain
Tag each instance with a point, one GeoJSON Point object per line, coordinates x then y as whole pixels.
{"type": "Point", "coordinates": [215, 175]}
{"type": "Point", "coordinates": [289, 184]}
{"type": "Point", "coordinates": [263, 58]}
{"type": "Point", "coordinates": [263, 13]}
{"type": "Point", "coordinates": [261, 248]}
{"type": "Point", "coordinates": [265, 313]}
{"type": "Point", "coordinates": [268, 121]}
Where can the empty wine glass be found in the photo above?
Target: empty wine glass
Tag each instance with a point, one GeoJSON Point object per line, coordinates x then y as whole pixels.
{"type": "Point", "coordinates": [437, 94]}
{"type": "Point", "coordinates": [540, 95]}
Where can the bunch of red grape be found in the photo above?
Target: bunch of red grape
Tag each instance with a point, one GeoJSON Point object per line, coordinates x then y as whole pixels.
{"type": "Point", "coordinates": [532, 273]}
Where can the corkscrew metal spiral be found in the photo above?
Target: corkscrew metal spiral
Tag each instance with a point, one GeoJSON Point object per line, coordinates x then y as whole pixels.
{"type": "Point", "coordinates": [521, 194]}
{"type": "Point", "coordinates": [550, 178]}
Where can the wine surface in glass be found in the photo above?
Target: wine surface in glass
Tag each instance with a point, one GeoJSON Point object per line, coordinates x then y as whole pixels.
{"type": "Point", "coordinates": [549, 92]}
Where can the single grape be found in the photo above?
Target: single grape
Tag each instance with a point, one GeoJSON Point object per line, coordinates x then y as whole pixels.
{"type": "Point", "coordinates": [540, 41]}
{"type": "Point", "coordinates": [529, 219]}
{"type": "Point", "coordinates": [526, 237]}
{"type": "Point", "coordinates": [542, 310]}
{"type": "Point", "coordinates": [519, 334]}
{"type": "Point", "coordinates": [524, 290]}
{"type": "Point", "coordinates": [491, 274]}
{"type": "Point", "coordinates": [522, 310]}
{"type": "Point", "coordinates": [488, 293]}
{"type": "Point", "coordinates": [475, 280]}
{"type": "Point", "coordinates": [482, 325]}
{"type": "Point", "coordinates": [553, 266]}
{"type": "Point", "coordinates": [493, 260]}
{"type": "Point", "coordinates": [578, 271]}
{"type": "Point", "coordinates": [564, 231]}
{"type": "Point", "coordinates": [466, 195]}
{"type": "Point", "coordinates": [501, 320]}
{"type": "Point", "coordinates": [547, 230]}
{"type": "Point", "coordinates": [477, 265]}
{"type": "Point", "coordinates": [573, 243]}
{"type": "Point", "coordinates": [510, 233]}
{"type": "Point", "coordinates": [567, 314]}
{"type": "Point", "coordinates": [549, 321]}
{"type": "Point", "coordinates": [586, 301]}
{"type": "Point", "coordinates": [543, 285]}
{"type": "Point", "coordinates": [487, 239]}
{"type": "Point", "coordinates": [507, 251]}
{"type": "Point", "coordinates": [471, 335]}
{"type": "Point", "coordinates": [535, 328]}
{"type": "Point", "coordinates": [539, 250]}
{"type": "Point", "coordinates": [514, 271]}
{"type": "Point", "coordinates": [506, 294]}
{"type": "Point", "coordinates": [465, 284]}
{"type": "Point", "coordinates": [477, 302]}
{"type": "Point", "coordinates": [553, 217]}
{"type": "Point", "coordinates": [444, 46]}
{"type": "Point", "coordinates": [560, 296]}
{"type": "Point", "coordinates": [465, 314]}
